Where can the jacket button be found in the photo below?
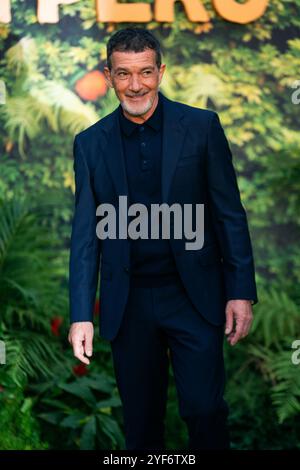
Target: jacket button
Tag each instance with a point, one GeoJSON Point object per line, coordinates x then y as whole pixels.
{"type": "Point", "coordinates": [126, 269]}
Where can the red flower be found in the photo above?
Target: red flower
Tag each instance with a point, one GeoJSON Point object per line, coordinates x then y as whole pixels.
{"type": "Point", "coordinates": [80, 370]}
{"type": "Point", "coordinates": [55, 325]}
{"type": "Point", "coordinates": [96, 308]}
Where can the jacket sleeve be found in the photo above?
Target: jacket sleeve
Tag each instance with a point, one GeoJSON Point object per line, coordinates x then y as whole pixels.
{"type": "Point", "coordinates": [85, 245]}
{"type": "Point", "coordinates": [229, 216]}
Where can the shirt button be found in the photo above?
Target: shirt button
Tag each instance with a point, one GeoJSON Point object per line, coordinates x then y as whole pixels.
{"type": "Point", "coordinates": [142, 128]}
{"type": "Point", "coordinates": [143, 144]}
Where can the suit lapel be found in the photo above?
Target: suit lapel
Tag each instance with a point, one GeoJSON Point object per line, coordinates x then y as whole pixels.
{"type": "Point", "coordinates": [172, 142]}
{"type": "Point", "coordinates": [173, 137]}
{"type": "Point", "coordinates": [114, 155]}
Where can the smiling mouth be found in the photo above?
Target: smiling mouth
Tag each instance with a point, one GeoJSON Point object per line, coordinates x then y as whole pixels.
{"type": "Point", "coordinates": [136, 97]}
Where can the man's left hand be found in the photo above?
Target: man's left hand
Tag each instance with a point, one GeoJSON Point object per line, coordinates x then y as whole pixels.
{"type": "Point", "coordinates": [239, 318]}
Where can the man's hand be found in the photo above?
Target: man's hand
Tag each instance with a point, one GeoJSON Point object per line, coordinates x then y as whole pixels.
{"type": "Point", "coordinates": [238, 320]}
{"type": "Point", "coordinates": [81, 338]}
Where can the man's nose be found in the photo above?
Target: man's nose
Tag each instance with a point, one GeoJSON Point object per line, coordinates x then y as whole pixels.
{"type": "Point", "coordinates": [135, 84]}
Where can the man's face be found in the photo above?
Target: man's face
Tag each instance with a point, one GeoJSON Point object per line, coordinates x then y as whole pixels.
{"type": "Point", "coordinates": [135, 78]}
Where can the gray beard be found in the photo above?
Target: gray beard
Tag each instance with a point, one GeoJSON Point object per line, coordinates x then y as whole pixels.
{"type": "Point", "coordinates": [138, 113]}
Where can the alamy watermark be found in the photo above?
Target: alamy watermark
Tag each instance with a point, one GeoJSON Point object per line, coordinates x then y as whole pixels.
{"type": "Point", "coordinates": [296, 94]}
{"type": "Point", "coordinates": [138, 227]}
{"type": "Point", "coordinates": [2, 92]}
{"type": "Point", "coordinates": [2, 353]}
{"type": "Point", "coordinates": [296, 354]}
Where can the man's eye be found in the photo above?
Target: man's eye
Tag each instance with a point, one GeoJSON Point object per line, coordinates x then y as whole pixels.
{"type": "Point", "coordinates": [121, 74]}
{"type": "Point", "coordinates": [147, 72]}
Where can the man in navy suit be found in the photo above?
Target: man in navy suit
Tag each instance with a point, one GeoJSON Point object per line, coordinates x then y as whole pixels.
{"type": "Point", "coordinates": [159, 300]}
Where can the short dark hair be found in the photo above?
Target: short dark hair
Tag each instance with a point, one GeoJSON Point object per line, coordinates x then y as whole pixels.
{"type": "Point", "coordinates": [135, 40]}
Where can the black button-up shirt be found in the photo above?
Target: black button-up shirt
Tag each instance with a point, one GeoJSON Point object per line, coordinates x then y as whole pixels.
{"type": "Point", "coordinates": [152, 261]}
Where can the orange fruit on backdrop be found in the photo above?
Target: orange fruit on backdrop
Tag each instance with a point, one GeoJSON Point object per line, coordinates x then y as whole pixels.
{"type": "Point", "coordinates": [91, 86]}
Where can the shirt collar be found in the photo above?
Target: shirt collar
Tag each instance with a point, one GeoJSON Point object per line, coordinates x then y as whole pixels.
{"type": "Point", "coordinates": [154, 121]}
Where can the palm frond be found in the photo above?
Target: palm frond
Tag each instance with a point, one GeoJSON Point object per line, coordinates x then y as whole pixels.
{"type": "Point", "coordinates": [283, 376]}
{"type": "Point", "coordinates": [276, 317]}
{"type": "Point", "coordinates": [22, 56]}
{"type": "Point", "coordinates": [70, 112]}
{"type": "Point", "coordinates": [31, 355]}
{"type": "Point", "coordinates": [28, 277]}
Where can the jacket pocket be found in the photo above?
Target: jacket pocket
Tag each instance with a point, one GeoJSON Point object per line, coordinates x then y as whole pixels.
{"type": "Point", "coordinates": [188, 159]}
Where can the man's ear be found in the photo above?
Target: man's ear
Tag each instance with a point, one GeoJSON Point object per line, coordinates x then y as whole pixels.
{"type": "Point", "coordinates": [161, 72]}
{"type": "Point", "coordinates": [107, 76]}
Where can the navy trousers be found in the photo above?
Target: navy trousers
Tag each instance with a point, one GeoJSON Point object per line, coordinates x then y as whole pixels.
{"type": "Point", "coordinates": [161, 324]}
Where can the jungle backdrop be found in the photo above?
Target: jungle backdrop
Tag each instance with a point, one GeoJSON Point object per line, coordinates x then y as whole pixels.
{"type": "Point", "coordinates": [53, 75]}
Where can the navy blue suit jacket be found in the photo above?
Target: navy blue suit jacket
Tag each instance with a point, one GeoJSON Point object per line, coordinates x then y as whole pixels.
{"type": "Point", "coordinates": [196, 168]}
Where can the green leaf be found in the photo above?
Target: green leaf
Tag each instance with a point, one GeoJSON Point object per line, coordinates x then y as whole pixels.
{"type": "Point", "coordinates": [88, 435]}
{"type": "Point", "coordinates": [73, 421]}
{"type": "Point", "coordinates": [80, 390]}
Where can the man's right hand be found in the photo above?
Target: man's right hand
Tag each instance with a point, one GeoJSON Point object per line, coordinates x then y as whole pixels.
{"type": "Point", "coordinates": [81, 339]}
